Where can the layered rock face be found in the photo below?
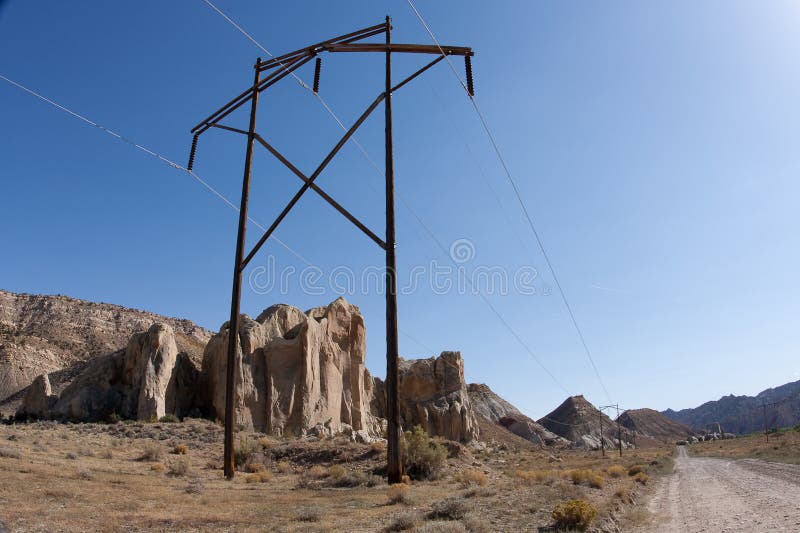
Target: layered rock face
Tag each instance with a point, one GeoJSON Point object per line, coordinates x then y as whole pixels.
{"type": "Point", "coordinates": [139, 382]}
{"type": "Point", "coordinates": [296, 371]}
{"type": "Point", "coordinates": [495, 409]}
{"type": "Point", "coordinates": [55, 334]}
{"type": "Point", "coordinates": [433, 395]}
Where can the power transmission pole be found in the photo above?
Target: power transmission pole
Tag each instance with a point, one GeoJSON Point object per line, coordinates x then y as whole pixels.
{"type": "Point", "coordinates": [619, 431]}
{"type": "Point", "coordinates": [284, 66]}
{"type": "Point", "coordinates": [602, 442]}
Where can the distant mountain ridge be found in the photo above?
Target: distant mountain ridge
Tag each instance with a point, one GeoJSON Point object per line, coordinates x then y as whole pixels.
{"type": "Point", "coordinates": [651, 423]}
{"type": "Point", "coordinates": [745, 414]}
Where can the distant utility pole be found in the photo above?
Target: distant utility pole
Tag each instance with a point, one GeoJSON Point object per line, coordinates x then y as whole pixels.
{"type": "Point", "coordinates": [602, 442]}
{"type": "Point", "coordinates": [267, 73]}
{"type": "Point", "coordinates": [619, 431]}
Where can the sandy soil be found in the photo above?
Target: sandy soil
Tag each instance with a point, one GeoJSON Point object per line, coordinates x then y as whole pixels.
{"type": "Point", "coordinates": [706, 494]}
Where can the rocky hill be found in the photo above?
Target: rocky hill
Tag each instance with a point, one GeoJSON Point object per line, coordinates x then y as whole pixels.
{"type": "Point", "coordinates": [651, 423]}
{"type": "Point", "coordinates": [745, 414]}
{"type": "Point", "coordinates": [492, 409]}
{"type": "Point", "coordinates": [56, 333]}
{"type": "Point", "coordinates": [578, 421]}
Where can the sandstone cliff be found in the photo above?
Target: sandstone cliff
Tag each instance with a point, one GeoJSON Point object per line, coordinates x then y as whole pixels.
{"type": "Point", "coordinates": [433, 394]}
{"type": "Point", "coordinates": [296, 371]}
{"type": "Point", "coordinates": [57, 334]}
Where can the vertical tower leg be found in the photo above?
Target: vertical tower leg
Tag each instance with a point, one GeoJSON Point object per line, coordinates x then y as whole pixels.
{"type": "Point", "coordinates": [233, 325]}
{"type": "Point", "coordinates": [394, 466]}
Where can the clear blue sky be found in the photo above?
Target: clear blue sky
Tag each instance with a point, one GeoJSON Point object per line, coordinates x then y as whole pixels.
{"type": "Point", "coordinates": [654, 144]}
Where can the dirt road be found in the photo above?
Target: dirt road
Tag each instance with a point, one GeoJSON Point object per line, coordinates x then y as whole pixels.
{"type": "Point", "coordinates": [706, 494]}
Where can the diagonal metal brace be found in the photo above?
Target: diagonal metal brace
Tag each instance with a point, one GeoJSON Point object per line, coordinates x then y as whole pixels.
{"type": "Point", "coordinates": [325, 196]}
{"type": "Point", "coordinates": [310, 180]}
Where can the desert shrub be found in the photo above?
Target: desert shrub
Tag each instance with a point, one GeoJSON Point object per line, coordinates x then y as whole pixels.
{"type": "Point", "coordinates": [624, 493]}
{"type": "Point", "coordinates": [266, 443]}
{"type": "Point", "coordinates": [194, 487]}
{"type": "Point", "coordinates": [158, 467]}
{"type": "Point", "coordinates": [595, 480]}
{"type": "Point", "coordinates": [635, 469]}
{"type": "Point", "coordinates": [254, 467]}
{"type": "Point", "coordinates": [471, 477]}
{"type": "Point", "coordinates": [259, 477]}
{"type": "Point", "coordinates": [337, 472]}
{"type": "Point", "coordinates": [86, 452]}
{"type": "Point", "coordinates": [403, 522]}
{"type": "Point", "coordinates": [442, 527]}
{"type": "Point", "coordinates": [308, 514]}
{"type": "Point", "coordinates": [642, 478]}
{"type": "Point", "coordinates": [180, 449]}
{"type": "Point", "coordinates": [9, 453]}
{"type": "Point", "coordinates": [169, 419]}
{"type": "Point", "coordinates": [377, 446]}
{"type": "Point", "coordinates": [578, 476]}
{"type": "Point", "coordinates": [574, 514]}
{"type": "Point", "coordinates": [244, 451]}
{"type": "Point", "coordinates": [615, 471]}
{"type": "Point", "coordinates": [151, 452]}
{"type": "Point", "coordinates": [474, 524]}
{"type": "Point", "coordinates": [797, 427]}
{"type": "Point", "coordinates": [350, 479]}
{"type": "Point", "coordinates": [284, 467]}
{"type": "Point", "coordinates": [107, 454]}
{"type": "Point", "coordinates": [449, 509]}
{"type": "Point", "coordinates": [85, 474]}
{"type": "Point", "coordinates": [423, 457]}
{"type": "Point", "coordinates": [179, 467]}
{"type": "Point", "coordinates": [71, 456]}
{"type": "Point", "coordinates": [397, 493]}
{"type": "Point", "coordinates": [317, 472]}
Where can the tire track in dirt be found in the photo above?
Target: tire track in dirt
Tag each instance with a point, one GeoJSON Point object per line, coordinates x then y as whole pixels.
{"type": "Point", "coordinates": [705, 494]}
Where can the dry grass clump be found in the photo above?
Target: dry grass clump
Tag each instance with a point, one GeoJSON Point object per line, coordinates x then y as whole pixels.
{"type": "Point", "coordinates": [424, 457]}
{"type": "Point", "coordinates": [259, 477]}
{"type": "Point", "coordinates": [179, 467]}
{"type": "Point", "coordinates": [397, 493]}
{"type": "Point", "coordinates": [308, 514]}
{"type": "Point", "coordinates": [547, 477]}
{"type": "Point", "coordinates": [403, 522]}
{"type": "Point", "coordinates": [317, 472]}
{"type": "Point", "coordinates": [254, 467]}
{"type": "Point", "coordinates": [71, 456]}
{"type": "Point", "coordinates": [377, 446]}
{"type": "Point", "coordinates": [84, 474]}
{"type": "Point", "coordinates": [284, 467]}
{"type": "Point", "coordinates": [624, 493]}
{"type": "Point", "coordinates": [449, 509]}
{"type": "Point", "coordinates": [586, 477]}
{"type": "Point", "coordinates": [635, 469]}
{"type": "Point", "coordinates": [9, 453]}
{"type": "Point", "coordinates": [158, 467]}
{"type": "Point", "coordinates": [266, 443]}
{"type": "Point", "coordinates": [180, 449]}
{"type": "Point", "coordinates": [244, 451]}
{"type": "Point", "coordinates": [574, 514]}
{"type": "Point", "coordinates": [471, 477]}
{"type": "Point", "coordinates": [616, 471]}
{"type": "Point", "coordinates": [152, 452]}
{"type": "Point", "coordinates": [642, 478]}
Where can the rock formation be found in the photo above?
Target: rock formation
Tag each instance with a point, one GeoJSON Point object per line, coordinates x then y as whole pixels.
{"type": "Point", "coordinates": [495, 409]}
{"type": "Point", "coordinates": [296, 371]}
{"type": "Point", "coordinates": [579, 422]}
{"type": "Point", "coordinates": [138, 382]}
{"type": "Point", "coordinates": [55, 334]}
{"type": "Point", "coordinates": [652, 424]}
{"type": "Point", "coordinates": [433, 394]}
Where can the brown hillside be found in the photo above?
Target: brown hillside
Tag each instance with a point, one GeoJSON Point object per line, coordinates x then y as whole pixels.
{"type": "Point", "coordinates": [651, 423]}
{"type": "Point", "coordinates": [578, 421]}
{"type": "Point", "coordinates": [56, 333]}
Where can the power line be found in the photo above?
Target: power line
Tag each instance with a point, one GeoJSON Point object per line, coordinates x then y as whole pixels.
{"type": "Point", "coordinates": [517, 193]}
{"type": "Point", "coordinates": [152, 153]}
{"type": "Point", "coordinates": [402, 200]}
